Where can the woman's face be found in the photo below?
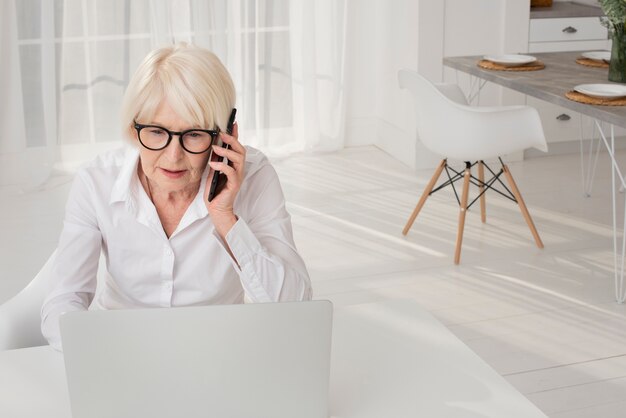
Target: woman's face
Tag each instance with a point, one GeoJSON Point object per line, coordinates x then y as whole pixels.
{"type": "Point", "coordinates": [171, 169]}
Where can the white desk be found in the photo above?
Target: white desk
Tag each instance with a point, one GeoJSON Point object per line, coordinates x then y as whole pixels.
{"type": "Point", "coordinates": [389, 359]}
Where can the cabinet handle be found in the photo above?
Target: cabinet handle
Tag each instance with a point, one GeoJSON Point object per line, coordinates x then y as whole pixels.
{"type": "Point", "coordinates": [570, 29]}
{"type": "Point", "coordinates": [563, 117]}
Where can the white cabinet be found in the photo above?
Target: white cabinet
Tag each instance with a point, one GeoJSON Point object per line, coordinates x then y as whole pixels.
{"type": "Point", "coordinates": [571, 29]}
{"type": "Point", "coordinates": [564, 34]}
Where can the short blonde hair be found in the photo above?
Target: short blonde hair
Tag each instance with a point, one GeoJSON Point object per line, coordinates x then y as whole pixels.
{"type": "Point", "coordinates": [193, 81]}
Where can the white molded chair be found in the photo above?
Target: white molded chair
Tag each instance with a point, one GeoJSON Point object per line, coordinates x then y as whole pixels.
{"type": "Point", "coordinates": [448, 126]}
{"type": "Point", "coordinates": [20, 316]}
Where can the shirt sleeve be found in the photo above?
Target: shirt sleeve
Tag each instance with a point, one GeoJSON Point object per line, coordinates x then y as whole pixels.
{"type": "Point", "coordinates": [268, 263]}
{"type": "Point", "coordinates": [74, 270]}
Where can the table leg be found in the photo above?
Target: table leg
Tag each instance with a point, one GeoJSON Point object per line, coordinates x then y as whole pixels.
{"type": "Point", "coordinates": [588, 167]}
{"type": "Point", "coordinates": [618, 258]}
{"type": "Point", "coordinates": [476, 85]}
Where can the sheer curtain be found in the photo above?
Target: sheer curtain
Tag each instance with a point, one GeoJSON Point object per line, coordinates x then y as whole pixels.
{"type": "Point", "coordinates": [69, 62]}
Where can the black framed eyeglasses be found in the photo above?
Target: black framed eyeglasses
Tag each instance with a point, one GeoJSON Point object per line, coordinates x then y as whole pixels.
{"type": "Point", "coordinates": [194, 141]}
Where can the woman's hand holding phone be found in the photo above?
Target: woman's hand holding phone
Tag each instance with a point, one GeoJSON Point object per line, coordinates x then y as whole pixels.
{"type": "Point", "coordinates": [221, 205]}
{"type": "Point", "coordinates": [217, 179]}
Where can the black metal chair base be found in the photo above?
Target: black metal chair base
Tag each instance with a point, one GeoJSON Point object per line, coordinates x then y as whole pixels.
{"type": "Point", "coordinates": [486, 185]}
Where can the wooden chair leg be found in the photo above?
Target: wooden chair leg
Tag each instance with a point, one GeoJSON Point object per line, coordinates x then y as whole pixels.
{"type": "Point", "coordinates": [481, 189]}
{"type": "Point", "coordinates": [427, 190]}
{"type": "Point", "coordinates": [463, 210]}
{"type": "Point", "coordinates": [522, 205]}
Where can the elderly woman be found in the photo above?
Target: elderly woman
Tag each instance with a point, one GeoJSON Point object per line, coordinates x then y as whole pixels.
{"type": "Point", "coordinates": [145, 206]}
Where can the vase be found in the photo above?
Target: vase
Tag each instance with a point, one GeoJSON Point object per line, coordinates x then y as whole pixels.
{"type": "Point", "coordinates": [617, 65]}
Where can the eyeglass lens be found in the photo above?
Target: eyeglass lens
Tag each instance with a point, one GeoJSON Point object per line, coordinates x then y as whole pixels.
{"type": "Point", "coordinates": [156, 138]}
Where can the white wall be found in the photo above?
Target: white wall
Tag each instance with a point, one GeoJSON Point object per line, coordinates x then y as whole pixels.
{"type": "Point", "coordinates": [361, 73]}
{"type": "Point", "coordinates": [382, 38]}
{"type": "Point", "coordinates": [385, 36]}
{"type": "Point", "coordinates": [396, 47]}
{"type": "Point", "coordinates": [486, 27]}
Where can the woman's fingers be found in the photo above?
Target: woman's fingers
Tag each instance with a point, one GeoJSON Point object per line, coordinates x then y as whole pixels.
{"type": "Point", "coordinates": [236, 153]}
{"type": "Point", "coordinates": [231, 174]}
{"type": "Point", "coordinates": [223, 167]}
{"type": "Point", "coordinates": [231, 154]}
{"type": "Point", "coordinates": [233, 140]}
{"type": "Point", "coordinates": [234, 171]}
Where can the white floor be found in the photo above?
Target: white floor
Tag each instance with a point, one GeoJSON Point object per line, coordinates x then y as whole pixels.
{"type": "Point", "coordinates": [545, 319]}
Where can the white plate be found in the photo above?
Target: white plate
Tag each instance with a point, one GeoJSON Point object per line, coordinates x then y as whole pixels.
{"type": "Point", "coordinates": [603, 91]}
{"type": "Point", "coordinates": [598, 55]}
{"type": "Point", "coordinates": [512, 60]}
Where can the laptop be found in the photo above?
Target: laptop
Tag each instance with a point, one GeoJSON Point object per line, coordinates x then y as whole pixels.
{"type": "Point", "coordinates": [250, 360]}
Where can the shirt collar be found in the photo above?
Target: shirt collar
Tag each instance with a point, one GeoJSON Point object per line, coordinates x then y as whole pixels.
{"type": "Point", "coordinates": [127, 180]}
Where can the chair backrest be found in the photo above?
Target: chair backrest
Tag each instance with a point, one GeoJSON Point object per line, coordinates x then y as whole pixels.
{"type": "Point", "coordinates": [448, 126]}
{"type": "Point", "coordinates": [20, 316]}
{"type": "Point", "coordinates": [434, 107]}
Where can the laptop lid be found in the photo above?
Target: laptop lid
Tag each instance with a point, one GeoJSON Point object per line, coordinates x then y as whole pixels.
{"type": "Point", "coordinates": [249, 360]}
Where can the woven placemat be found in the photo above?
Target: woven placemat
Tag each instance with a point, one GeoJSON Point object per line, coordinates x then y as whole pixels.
{"type": "Point", "coordinates": [583, 98]}
{"type": "Point", "coordinates": [489, 65]}
{"type": "Point", "coordinates": [591, 63]}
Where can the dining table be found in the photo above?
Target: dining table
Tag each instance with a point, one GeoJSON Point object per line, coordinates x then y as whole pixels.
{"type": "Point", "coordinates": [562, 74]}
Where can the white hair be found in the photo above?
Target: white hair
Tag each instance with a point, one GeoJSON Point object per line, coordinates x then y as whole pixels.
{"type": "Point", "coordinates": [193, 81]}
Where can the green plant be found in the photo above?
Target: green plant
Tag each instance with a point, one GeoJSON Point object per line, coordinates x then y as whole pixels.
{"type": "Point", "coordinates": [615, 20]}
{"type": "Point", "coordinates": [615, 11]}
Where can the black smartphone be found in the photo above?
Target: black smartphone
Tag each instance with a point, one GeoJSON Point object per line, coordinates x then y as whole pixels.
{"type": "Point", "coordinates": [218, 179]}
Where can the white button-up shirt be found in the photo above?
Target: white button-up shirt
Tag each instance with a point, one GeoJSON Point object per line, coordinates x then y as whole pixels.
{"type": "Point", "coordinates": [108, 211]}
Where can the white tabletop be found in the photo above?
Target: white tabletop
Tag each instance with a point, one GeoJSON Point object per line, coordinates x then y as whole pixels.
{"type": "Point", "coordinates": [390, 359]}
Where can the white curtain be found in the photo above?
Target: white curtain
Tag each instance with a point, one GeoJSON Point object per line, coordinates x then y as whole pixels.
{"type": "Point", "coordinates": [67, 63]}
{"type": "Point", "coordinates": [27, 143]}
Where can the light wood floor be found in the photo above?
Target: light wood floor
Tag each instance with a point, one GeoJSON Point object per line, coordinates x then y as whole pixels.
{"type": "Point", "coordinates": [545, 319]}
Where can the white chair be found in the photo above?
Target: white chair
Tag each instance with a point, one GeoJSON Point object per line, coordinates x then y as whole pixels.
{"type": "Point", "coordinates": [448, 126]}
{"type": "Point", "coordinates": [20, 316]}
{"type": "Point", "coordinates": [20, 320]}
